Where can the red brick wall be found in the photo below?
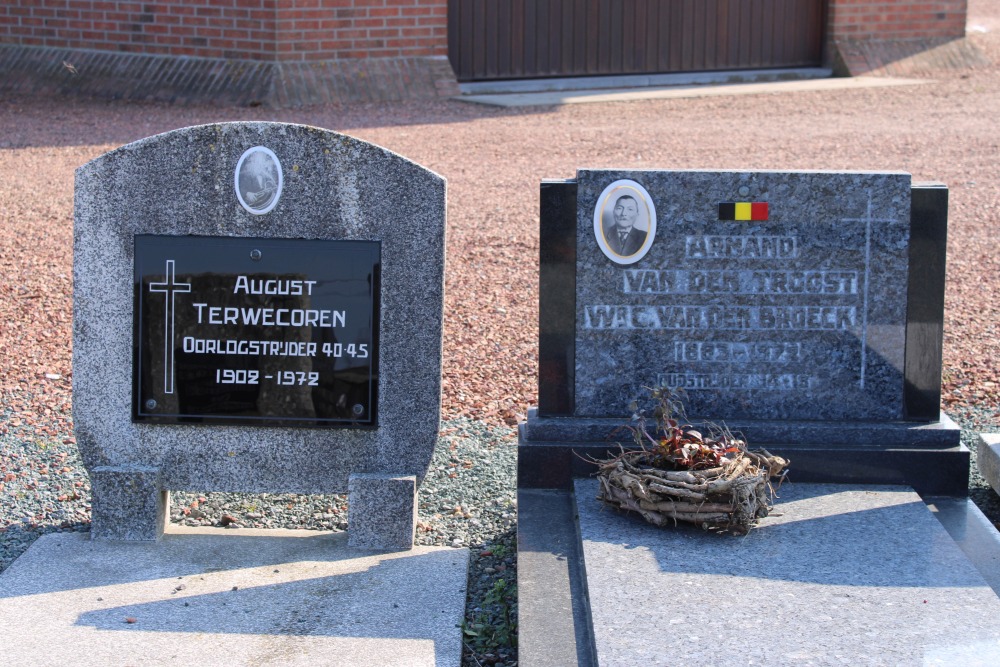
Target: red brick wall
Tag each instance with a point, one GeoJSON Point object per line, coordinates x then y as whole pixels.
{"type": "Point", "coordinates": [235, 29]}
{"type": "Point", "coordinates": [895, 19]}
{"type": "Point", "coordinates": [297, 30]}
{"type": "Point", "coordinates": [337, 29]}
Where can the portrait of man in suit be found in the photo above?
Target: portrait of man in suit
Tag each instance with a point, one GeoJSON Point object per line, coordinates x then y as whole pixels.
{"type": "Point", "coordinates": [622, 235]}
{"type": "Point", "coordinates": [624, 222]}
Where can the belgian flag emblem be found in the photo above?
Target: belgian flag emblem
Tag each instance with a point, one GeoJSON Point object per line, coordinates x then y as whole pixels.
{"type": "Point", "coordinates": [743, 210]}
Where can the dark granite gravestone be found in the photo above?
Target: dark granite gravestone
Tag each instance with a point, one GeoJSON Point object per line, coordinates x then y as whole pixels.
{"type": "Point", "coordinates": [257, 308]}
{"type": "Point", "coordinates": [803, 309]}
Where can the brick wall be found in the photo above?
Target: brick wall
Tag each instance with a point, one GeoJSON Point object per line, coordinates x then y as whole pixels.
{"type": "Point", "coordinates": [286, 30]}
{"type": "Point", "coordinates": [339, 29]}
{"type": "Point", "coordinates": [290, 30]}
{"type": "Point", "coordinates": [896, 19]}
{"type": "Point", "coordinates": [889, 37]}
{"type": "Point", "coordinates": [319, 51]}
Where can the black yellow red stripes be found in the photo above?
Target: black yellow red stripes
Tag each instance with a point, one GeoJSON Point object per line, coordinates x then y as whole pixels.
{"type": "Point", "coordinates": [743, 210]}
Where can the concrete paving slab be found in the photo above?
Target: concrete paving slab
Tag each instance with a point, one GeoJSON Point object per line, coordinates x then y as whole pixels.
{"type": "Point", "coordinates": [231, 597]}
{"type": "Point", "coordinates": [560, 97]}
{"type": "Point", "coordinates": [837, 575]}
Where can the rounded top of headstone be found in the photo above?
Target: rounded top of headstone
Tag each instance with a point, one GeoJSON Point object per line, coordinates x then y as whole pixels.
{"type": "Point", "coordinates": [252, 174]}
{"type": "Point", "coordinates": [295, 182]}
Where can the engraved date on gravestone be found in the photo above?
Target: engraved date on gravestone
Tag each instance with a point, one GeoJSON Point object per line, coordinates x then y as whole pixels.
{"type": "Point", "coordinates": [255, 331]}
{"type": "Point", "coordinates": [789, 305]}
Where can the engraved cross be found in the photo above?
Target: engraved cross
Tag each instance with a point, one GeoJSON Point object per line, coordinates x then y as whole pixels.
{"type": "Point", "coordinates": [867, 220]}
{"type": "Point", "coordinates": [170, 289]}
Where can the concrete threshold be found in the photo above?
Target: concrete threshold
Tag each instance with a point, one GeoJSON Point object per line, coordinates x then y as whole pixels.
{"type": "Point", "coordinates": [231, 597]}
{"type": "Point", "coordinates": [642, 81]}
{"type": "Point", "coordinates": [558, 97]}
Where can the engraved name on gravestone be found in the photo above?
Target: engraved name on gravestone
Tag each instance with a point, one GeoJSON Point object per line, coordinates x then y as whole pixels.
{"type": "Point", "coordinates": [764, 295]}
{"type": "Point", "coordinates": [235, 283]}
{"type": "Point", "coordinates": [255, 331]}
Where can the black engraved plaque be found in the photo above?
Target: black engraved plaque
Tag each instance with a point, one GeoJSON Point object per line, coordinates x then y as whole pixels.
{"type": "Point", "coordinates": [279, 332]}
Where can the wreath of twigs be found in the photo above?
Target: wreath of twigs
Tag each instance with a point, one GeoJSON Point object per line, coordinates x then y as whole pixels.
{"type": "Point", "coordinates": [678, 473]}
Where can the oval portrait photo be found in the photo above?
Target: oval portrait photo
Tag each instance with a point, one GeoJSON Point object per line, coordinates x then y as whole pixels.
{"type": "Point", "coordinates": [625, 222]}
{"type": "Point", "coordinates": [258, 180]}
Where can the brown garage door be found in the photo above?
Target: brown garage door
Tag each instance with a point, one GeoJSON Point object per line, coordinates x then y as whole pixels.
{"type": "Point", "coordinates": [514, 39]}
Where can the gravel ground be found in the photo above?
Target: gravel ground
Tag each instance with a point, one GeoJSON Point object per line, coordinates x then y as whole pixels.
{"type": "Point", "coordinates": [493, 159]}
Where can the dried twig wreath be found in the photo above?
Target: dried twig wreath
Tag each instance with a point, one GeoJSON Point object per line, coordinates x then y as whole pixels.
{"type": "Point", "coordinates": [678, 473]}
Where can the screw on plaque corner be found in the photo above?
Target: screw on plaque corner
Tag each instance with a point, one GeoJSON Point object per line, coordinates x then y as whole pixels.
{"type": "Point", "coordinates": [358, 409]}
{"type": "Point", "coordinates": [150, 404]}
{"type": "Point", "coordinates": [255, 255]}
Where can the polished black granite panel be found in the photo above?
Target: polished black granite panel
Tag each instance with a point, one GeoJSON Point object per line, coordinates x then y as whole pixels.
{"type": "Point", "coordinates": [557, 297]}
{"type": "Point", "coordinates": [925, 301]}
{"type": "Point", "coordinates": [255, 331]}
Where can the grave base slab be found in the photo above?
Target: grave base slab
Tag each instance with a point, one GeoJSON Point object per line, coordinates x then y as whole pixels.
{"type": "Point", "coordinates": [231, 597]}
{"type": "Point", "coordinates": [928, 456]}
{"type": "Point", "coordinates": [838, 574]}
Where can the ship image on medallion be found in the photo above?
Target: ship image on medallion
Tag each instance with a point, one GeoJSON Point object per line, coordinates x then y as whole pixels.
{"type": "Point", "coordinates": [259, 180]}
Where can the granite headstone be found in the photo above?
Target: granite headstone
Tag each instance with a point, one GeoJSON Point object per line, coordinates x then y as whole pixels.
{"type": "Point", "coordinates": [803, 309]}
{"type": "Point", "coordinates": [257, 308]}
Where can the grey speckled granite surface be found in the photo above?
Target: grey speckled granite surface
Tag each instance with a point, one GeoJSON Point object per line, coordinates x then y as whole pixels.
{"type": "Point", "coordinates": [837, 575]}
{"type": "Point", "coordinates": [382, 513]}
{"type": "Point", "coordinates": [988, 458]}
{"type": "Point", "coordinates": [335, 188]}
{"type": "Point", "coordinates": [797, 316]}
